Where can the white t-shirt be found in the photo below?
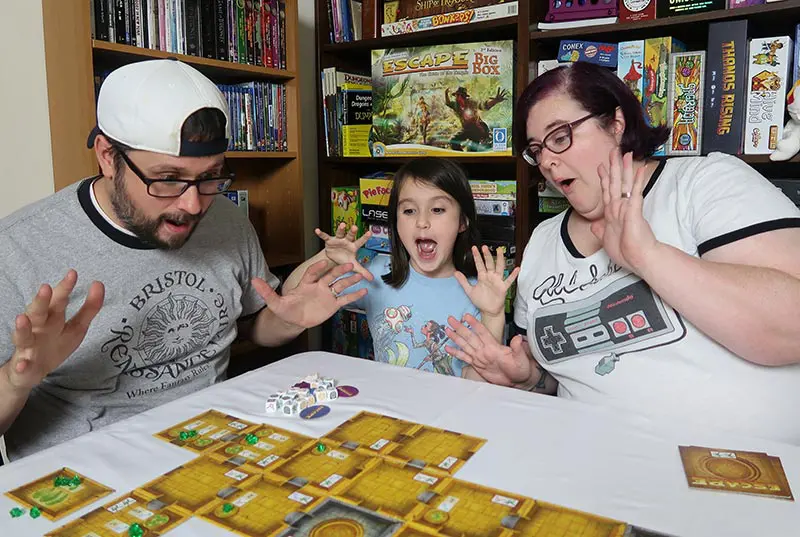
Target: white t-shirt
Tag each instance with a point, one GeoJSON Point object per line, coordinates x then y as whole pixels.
{"type": "Point", "coordinates": [608, 338]}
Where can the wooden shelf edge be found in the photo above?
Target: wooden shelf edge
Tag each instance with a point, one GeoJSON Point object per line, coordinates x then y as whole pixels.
{"type": "Point", "coordinates": [505, 159]}
{"type": "Point", "coordinates": [710, 16]}
{"type": "Point", "coordinates": [219, 65]}
{"type": "Point", "coordinates": [288, 155]}
{"type": "Point", "coordinates": [509, 23]}
{"type": "Point", "coordinates": [764, 159]}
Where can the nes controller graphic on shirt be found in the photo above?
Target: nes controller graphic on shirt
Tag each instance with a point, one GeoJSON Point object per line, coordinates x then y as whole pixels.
{"type": "Point", "coordinates": [626, 312]}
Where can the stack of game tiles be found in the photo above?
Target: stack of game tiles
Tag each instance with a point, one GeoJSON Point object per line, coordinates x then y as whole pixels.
{"type": "Point", "coordinates": [311, 390]}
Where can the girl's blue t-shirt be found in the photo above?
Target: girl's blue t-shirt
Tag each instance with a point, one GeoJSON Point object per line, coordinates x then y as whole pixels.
{"type": "Point", "coordinates": [408, 324]}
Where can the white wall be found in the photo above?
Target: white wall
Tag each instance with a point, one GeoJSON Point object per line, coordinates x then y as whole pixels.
{"type": "Point", "coordinates": [308, 123]}
{"type": "Point", "coordinates": [25, 151]}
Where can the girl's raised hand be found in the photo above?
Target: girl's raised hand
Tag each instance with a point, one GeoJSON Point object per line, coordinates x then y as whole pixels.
{"type": "Point", "coordinates": [489, 293]}
{"type": "Point", "coordinates": [343, 246]}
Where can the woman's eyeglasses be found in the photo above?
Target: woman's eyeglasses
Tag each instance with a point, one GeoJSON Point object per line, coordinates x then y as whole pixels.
{"type": "Point", "coordinates": [557, 140]}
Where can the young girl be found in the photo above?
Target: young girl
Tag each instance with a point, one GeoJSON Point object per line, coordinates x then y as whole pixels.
{"type": "Point", "coordinates": [436, 271]}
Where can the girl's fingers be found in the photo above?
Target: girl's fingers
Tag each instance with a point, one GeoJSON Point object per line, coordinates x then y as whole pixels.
{"type": "Point", "coordinates": [351, 233]}
{"type": "Point", "coordinates": [512, 277]}
{"type": "Point", "coordinates": [480, 267]}
{"type": "Point", "coordinates": [322, 235]}
{"type": "Point", "coordinates": [341, 230]}
{"type": "Point", "coordinates": [501, 260]}
{"type": "Point", "coordinates": [489, 260]}
{"type": "Point", "coordinates": [363, 240]}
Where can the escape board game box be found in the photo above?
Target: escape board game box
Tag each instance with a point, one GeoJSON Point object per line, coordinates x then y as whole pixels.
{"type": "Point", "coordinates": [453, 99]}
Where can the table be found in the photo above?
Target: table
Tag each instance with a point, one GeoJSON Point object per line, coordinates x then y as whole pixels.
{"type": "Point", "coordinates": [622, 466]}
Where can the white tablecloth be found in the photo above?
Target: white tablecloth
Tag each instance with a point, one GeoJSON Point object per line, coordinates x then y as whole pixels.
{"type": "Point", "coordinates": [625, 467]}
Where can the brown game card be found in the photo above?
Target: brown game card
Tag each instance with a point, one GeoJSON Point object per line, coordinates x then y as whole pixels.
{"type": "Point", "coordinates": [728, 470]}
{"type": "Point", "coordinates": [55, 501]}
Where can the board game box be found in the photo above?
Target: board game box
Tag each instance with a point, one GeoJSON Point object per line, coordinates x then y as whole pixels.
{"type": "Point", "coordinates": [768, 75]}
{"type": "Point", "coordinates": [454, 99]}
{"type": "Point", "coordinates": [687, 77]}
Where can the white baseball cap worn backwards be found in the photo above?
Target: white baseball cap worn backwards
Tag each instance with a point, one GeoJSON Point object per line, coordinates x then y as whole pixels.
{"type": "Point", "coordinates": [145, 104]}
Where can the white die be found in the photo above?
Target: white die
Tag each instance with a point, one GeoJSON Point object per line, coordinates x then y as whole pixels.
{"type": "Point", "coordinates": [327, 384]}
{"type": "Point", "coordinates": [272, 404]}
{"type": "Point", "coordinates": [332, 394]}
{"type": "Point", "coordinates": [321, 396]}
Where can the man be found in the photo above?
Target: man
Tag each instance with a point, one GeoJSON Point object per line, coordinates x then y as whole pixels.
{"type": "Point", "coordinates": [167, 268]}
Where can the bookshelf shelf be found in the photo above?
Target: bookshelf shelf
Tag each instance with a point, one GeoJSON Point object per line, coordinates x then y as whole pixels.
{"type": "Point", "coordinates": [764, 159]}
{"type": "Point", "coordinates": [378, 161]}
{"type": "Point", "coordinates": [488, 30]}
{"type": "Point", "coordinates": [620, 31]}
{"type": "Point", "coordinates": [287, 155]}
{"type": "Point", "coordinates": [126, 53]}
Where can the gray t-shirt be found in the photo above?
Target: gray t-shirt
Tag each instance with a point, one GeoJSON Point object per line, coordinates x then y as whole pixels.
{"type": "Point", "coordinates": [166, 325]}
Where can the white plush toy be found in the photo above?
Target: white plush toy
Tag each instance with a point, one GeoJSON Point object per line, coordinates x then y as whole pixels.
{"type": "Point", "coordinates": [789, 144]}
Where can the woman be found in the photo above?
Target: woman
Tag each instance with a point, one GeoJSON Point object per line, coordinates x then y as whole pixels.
{"type": "Point", "coordinates": [670, 286]}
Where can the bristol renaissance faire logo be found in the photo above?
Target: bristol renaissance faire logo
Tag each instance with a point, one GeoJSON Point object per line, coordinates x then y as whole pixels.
{"type": "Point", "coordinates": [172, 325]}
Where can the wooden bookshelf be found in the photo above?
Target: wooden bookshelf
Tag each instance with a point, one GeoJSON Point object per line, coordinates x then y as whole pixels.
{"type": "Point", "coordinates": [210, 67]}
{"type": "Point", "coordinates": [274, 179]}
{"type": "Point", "coordinates": [531, 45]}
{"type": "Point", "coordinates": [692, 23]}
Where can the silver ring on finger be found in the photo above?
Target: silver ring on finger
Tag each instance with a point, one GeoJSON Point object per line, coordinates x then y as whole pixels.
{"type": "Point", "coordinates": [626, 195]}
{"type": "Point", "coordinates": [333, 292]}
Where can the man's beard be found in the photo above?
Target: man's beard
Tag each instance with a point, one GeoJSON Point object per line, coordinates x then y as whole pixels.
{"type": "Point", "coordinates": [144, 228]}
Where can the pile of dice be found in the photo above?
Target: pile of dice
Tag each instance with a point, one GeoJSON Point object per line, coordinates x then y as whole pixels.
{"type": "Point", "coordinates": [312, 390]}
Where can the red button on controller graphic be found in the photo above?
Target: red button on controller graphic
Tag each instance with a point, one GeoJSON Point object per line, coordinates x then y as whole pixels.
{"type": "Point", "coordinates": [620, 327]}
{"type": "Point", "coordinates": [638, 321]}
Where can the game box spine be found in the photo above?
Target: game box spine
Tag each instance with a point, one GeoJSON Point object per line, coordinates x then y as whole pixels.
{"type": "Point", "coordinates": [768, 74]}
{"type": "Point", "coordinates": [726, 80]}
{"type": "Point", "coordinates": [101, 20]}
{"type": "Point", "coordinates": [687, 75]}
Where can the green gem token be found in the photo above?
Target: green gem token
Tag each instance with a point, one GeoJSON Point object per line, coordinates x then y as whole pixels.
{"type": "Point", "coordinates": [320, 447]}
{"type": "Point", "coordinates": [192, 433]}
{"type": "Point", "coordinates": [75, 481]}
{"type": "Point", "coordinates": [135, 530]}
{"type": "Point", "coordinates": [35, 513]}
{"type": "Point", "coordinates": [227, 508]}
{"type": "Point", "coordinates": [184, 435]}
{"type": "Point", "coordinates": [251, 439]}
{"type": "Point", "coordinates": [17, 512]}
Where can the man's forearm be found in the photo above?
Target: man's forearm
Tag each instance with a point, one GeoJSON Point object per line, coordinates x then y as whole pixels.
{"type": "Point", "coordinates": [269, 330]}
{"type": "Point", "coordinates": [297, 274]}
{"type": "Point", "coordinates": [11, 399]}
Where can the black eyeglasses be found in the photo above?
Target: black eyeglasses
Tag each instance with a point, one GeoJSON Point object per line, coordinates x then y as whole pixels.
{"type": "Point", "coordinates": [174, 188]}
{"type": "Point", "coordinates": [557, 140]}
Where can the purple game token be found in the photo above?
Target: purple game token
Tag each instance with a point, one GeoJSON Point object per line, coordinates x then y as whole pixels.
{"type": "Point", "coordinates": [302, 385]}
{"type": "Point", "coordinates": [347, 391]}
{"type": "Point", "coordinates": [314, 412]}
